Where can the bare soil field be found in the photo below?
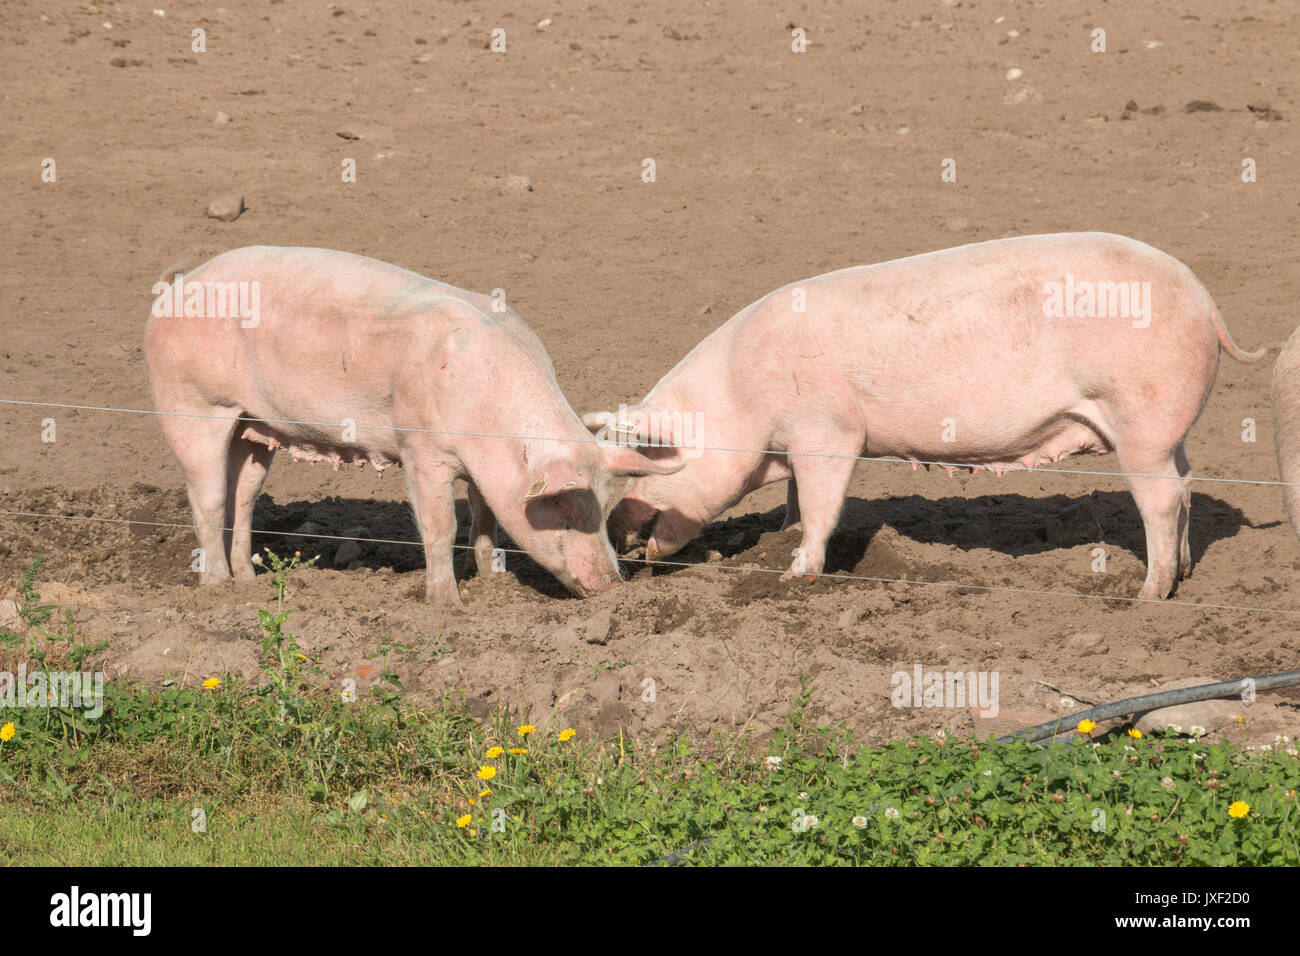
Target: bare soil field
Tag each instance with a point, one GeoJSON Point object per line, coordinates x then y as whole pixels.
{"type": "Point", "coordinates": [771, 165]}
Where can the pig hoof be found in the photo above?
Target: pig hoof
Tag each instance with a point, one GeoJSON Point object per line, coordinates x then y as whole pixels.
{"type": "Point", "coordinates": [1152, 592]}
{"type": "Point", "coordinates": [799, 576]}
{"type": "Point", "coordinates": [445, 596]}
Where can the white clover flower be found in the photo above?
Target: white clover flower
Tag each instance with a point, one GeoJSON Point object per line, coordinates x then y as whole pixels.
{"type": "Point", "coordinates": [988, 773]}
{"type": "Point", "coordinates": [891, 813]}
{"type": "Point", "coordinates": [803, 794]}
{"type": "Point", "coordinates": [1291, 751]}
{"type": "Point", "coordinates": [1116, 774]}
{"type": "Point", "coordinates": [1177, 728]}
{"type": "Point", "coordinates": [1167, 783]}
{"type": "Point", "coordinates": [1198, 756]}
{"type": "Point", "coordinates": [809, 822]}
{"type": "Point", "coordinates": [773, 761]}
{"type": "Point", "coordinates": [860, 822]}
{"type": "Point", "coordinates": [1198, 731]}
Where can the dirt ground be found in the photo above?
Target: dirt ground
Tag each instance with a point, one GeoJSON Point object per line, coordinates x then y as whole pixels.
{"type": "Point", "coordinates": [771, 166]}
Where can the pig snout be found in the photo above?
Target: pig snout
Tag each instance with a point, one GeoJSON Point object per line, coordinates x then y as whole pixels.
{"type": "Point", "coordinates": [631, 522]}
{"type": "Point", "coordinates": [597, 583]}
{"type": "Point", "coordinates": [664, 532]}
{"type": "Point", "coordinates": [589, 574]}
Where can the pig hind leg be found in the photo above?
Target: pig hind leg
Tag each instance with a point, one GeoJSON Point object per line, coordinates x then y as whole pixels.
{"type": "Point", "coordinates": [791, 506]}
{"type": "Point", "coordinates": [248, 464]}
{"type": "Point", "coordinates": [1184, 513]}
{"type": "Point", "coordinates": [1159, 491]}
{"type": "Point", "coordinates": [202, 447]}
{"type": "Point", "coordinates": [482, 530]}
{"type": "Point", "coordinates": [822, 482]}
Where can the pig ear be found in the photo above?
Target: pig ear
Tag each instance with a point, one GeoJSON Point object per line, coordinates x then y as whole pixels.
{"type": "Point", "coordinates": [638, 425]}
{"type": "Point", "coordinates": [607, 428]}
{"type": "Point", "coordinates": [623, 460]}
{"type": "Point", "coordinates": [556, 477]}
{"type": "Point", "coordinates": [619, 434]}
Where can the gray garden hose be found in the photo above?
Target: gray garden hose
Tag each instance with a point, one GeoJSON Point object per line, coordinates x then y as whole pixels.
{"type": "Point", "coordinates": [1164, 698]}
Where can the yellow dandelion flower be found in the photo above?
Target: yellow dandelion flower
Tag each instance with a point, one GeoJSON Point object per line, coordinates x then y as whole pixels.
{"type": "Point", "coordinates": [485, 792]}
{"type": "Point", "coordinates": [1238, 809]}
{"type": "Point", "coordinates": [471, 801]}
{"type": "Point", "coordinates": [494, 752]}
{"type": "Point", "coordinates": [473, 832]}
{"type": "Point", "coordinates": [1135, 733]}
{"type": "Point", "coordinates": [567, 734]}
{"type": "Point", "coordinates": [464, 821]}
{"type": "Point", "coordinates": [518, 750]}
{"type": "Point", "coordinates": [1087, 726]}
{"type": "Point", "coordinates": [526, 729]}
{"type": "Point", "coordinates": [301, 657]}
{"type": "Point", "coordinates": [7, 732]}
{"type": "Point", "coordinates": [486, 773]}
{"type": "Point", "coordinates": [212, 683]}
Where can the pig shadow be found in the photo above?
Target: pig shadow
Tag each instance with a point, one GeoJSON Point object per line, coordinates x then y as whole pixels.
{"type": "Point", "coordinates": [1011, 524]}
{"type": "Point", "coordinates": [276, 525]}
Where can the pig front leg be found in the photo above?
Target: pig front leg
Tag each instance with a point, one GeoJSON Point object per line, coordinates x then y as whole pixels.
{"type": "Point", "coordinates": [433, 501]}
{"type": "Point", "coordinates": [482, 530]}
{"type": "Point", "coordinates": [822, 482]}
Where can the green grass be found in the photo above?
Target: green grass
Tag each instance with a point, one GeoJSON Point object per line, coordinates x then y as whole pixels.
{"type": "Point", "coordinates": [286, 770]}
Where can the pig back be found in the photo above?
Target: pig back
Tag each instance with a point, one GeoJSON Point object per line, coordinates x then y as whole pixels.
{"type": "Point", "coordinates": [336, 337]}
{"type": "Point", "coordinates": [986, 325]}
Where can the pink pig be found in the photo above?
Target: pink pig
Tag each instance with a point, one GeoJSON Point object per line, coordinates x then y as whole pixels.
{"type": "Point", "coordinates": [1001, 355]}
{"type": "Point", "coordinates": [341, 358]}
